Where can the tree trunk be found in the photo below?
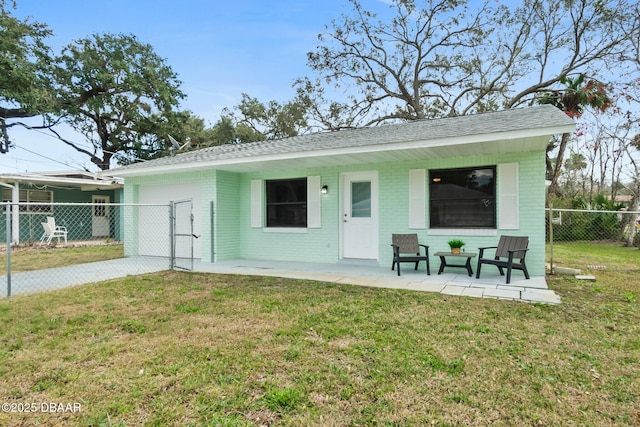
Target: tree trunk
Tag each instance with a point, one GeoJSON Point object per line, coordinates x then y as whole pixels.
{"type": "Point", "coordinates": [554, 189]}
{"type": "Point", "coordinates": [631, 219]}
{"type": "Point", "coordinates": [103, 163]}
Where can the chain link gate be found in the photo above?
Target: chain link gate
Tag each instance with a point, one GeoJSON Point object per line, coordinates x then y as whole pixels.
{"type": "Point", "coordinates": [182, 235]}
{"type": "Point", "coordinates": [91, 242]}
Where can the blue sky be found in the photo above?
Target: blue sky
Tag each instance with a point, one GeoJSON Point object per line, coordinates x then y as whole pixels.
{"type": "Point", "coordinates": [219, 49]}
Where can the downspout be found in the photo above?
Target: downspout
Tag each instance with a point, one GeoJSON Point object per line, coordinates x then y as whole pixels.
{"type": "Point", "coordinates": [15, 212]}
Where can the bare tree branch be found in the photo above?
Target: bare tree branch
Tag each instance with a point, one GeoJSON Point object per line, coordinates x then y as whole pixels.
{"type": "Point", "coordinates": [436, 58]}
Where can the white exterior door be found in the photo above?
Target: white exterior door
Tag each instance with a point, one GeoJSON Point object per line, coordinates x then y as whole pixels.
{"type": "Point", "coordinates": [360, 215]}
{"type": "Point", "coordinates": [100, 216]}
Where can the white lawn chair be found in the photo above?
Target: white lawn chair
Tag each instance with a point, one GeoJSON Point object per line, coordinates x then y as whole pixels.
{"type": "Point", "coordinates": [52, 222]}
{"type": "Point", "coordinates": [52, 231]}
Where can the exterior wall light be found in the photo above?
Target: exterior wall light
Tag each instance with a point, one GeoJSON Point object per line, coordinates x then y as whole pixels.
{"type": "Point", "coordinates": [324, 189]}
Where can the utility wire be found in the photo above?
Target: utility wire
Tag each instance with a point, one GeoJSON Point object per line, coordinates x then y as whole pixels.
{"type": "Point", "coordinates": [67, 164]}
{"type": "Point", "coordinates": [56, 138]}
{"type": "Point", "coordinates": [46, 157]}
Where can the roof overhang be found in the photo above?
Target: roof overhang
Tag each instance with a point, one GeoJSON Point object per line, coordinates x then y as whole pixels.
{"type": "Point", "coordinates": [472, 145]}
{"type": "Point", "coordinates": [83, 181]}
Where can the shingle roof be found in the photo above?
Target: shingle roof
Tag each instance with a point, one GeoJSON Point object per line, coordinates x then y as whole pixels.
{"type": "Point", "coordinates": [514, 120]}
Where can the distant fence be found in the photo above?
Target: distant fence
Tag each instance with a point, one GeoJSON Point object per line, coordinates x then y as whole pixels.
{"type": "Point", "coordinates": [607, 229]}
{"type": "Point", "coordinates": [55, 245]}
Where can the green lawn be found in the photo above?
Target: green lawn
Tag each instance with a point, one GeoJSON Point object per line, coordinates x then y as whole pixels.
{"type": "Point", "coordinates": [590, 256]}
{"type": "Point", "coordinates": [177, 348]}
{"type": "Point", "coordinates": [40, 257]}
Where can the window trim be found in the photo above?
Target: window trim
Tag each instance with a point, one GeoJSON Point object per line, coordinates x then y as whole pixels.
{"type": "Point", "coordinates": [462, 231]}
{"type": "Point", "coordinates": [293, 230]}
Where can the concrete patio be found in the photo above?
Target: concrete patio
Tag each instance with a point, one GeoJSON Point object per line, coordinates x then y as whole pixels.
{"type": "Point", "coordinates": [450, 282]}
{"type": "Point", "coordinates": [489, 285]}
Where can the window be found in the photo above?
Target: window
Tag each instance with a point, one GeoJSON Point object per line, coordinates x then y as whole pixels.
{"type": "Point", "coordinates": [31, 196]}
{"type": "Point", "coordinates": [361, 199]}
{"type": "Point", "coordinates": [286, 202]}
{"type": "Point", "coordinates": [462, 198]}
{"type": "Point", "coordinates": [99, 208]}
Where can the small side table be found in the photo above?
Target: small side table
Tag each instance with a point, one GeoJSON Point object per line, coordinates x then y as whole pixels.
{"type": "Point", "coordinates": [443, 261]}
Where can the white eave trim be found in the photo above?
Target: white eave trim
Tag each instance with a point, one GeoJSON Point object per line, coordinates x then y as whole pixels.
{"type": "Point", "coordinates": [45, 180]}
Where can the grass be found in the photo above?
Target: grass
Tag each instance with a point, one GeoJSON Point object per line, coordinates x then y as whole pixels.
{"type": "Point", "coordinates": [589, 256]}
{"type": "Point", "coordinates": [38, 257]}
{"type": "Point", "coordinates": [179, 348]}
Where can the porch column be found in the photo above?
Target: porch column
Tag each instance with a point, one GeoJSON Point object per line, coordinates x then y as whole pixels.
{"type": "Point", "coordinates": [15, 211]}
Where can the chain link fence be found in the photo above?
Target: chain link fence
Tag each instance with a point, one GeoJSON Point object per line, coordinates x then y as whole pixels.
{"type": "Point", "coordinates": [604, 240]}
{"type": "Point", "coordinates": [56, 245]}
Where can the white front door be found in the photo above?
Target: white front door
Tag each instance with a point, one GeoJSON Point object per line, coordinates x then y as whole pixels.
{"type": "Point", "coordinates": [100, 216]}
{"type": "Point", "coordinates": [360, 215]}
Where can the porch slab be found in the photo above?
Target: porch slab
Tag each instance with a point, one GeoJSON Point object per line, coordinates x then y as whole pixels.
{"type": "Point", "coordinates": [426, 287]}
{"type": "Point", "coordinates": [546, 296]}
{"type": "Point", "coordinates": [361, 274]}
{"type": "Point", "coordinates": [371, 274]}
{"type": "Point", "coordinates": [502, 294]}
{"type": "Point", "coordinates": [473, 292]}
{"type": "Point", "coordinates": [483, 286]}
{"type": "Point", "coordinates": [391, 283]}
{"type": "Point", "coordinates": [453, 290]}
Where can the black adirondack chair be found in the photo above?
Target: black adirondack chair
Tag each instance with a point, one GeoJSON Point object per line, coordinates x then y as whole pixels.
{"type": "Point", "coordinates": [510, 254]}
{"type": "Point", "coordinates": [407, 249]}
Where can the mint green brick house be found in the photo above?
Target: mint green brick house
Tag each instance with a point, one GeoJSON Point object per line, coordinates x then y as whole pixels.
{"type": "Point", "coordinates": [339, 196]}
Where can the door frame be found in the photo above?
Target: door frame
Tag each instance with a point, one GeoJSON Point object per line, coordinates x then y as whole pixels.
{"type": "Point", "coordinates": [182, 235]}
{"type": "Point", "coordinates": [345, 178]}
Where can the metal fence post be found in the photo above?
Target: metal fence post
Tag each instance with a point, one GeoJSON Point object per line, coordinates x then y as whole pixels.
{"type": "Point", "coordinates": [172, 239]}
{"type": "Point", "coordinates": [551, 238]}
{"type": "Point", "coordinates": [9, 235]}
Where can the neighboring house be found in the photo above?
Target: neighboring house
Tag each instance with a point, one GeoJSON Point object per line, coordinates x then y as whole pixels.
{"type": "Point", "coordinates": [623, 199]}
{"type": "Point", "coordinates": [51, 188]}
{"type": "Point", "coordinates": [338, 196]}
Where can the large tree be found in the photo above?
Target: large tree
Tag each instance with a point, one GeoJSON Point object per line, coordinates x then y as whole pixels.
{"type": "Point", "coordinates": [252, 120]}
{"type": "Point", "coordinates": [26, 88]}
{"type": "Point", "coordinates": [257, 121]}
{"type": "Point", "coordinates": [154, 134]}
{"type": "Point", "coordinates": [115, 89]}
{"type": "Point", "coordinates": [437, 58]}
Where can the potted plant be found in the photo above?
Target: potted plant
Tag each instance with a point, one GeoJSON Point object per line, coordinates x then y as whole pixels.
{"type": "Point", "coordinates": [455, 245]}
